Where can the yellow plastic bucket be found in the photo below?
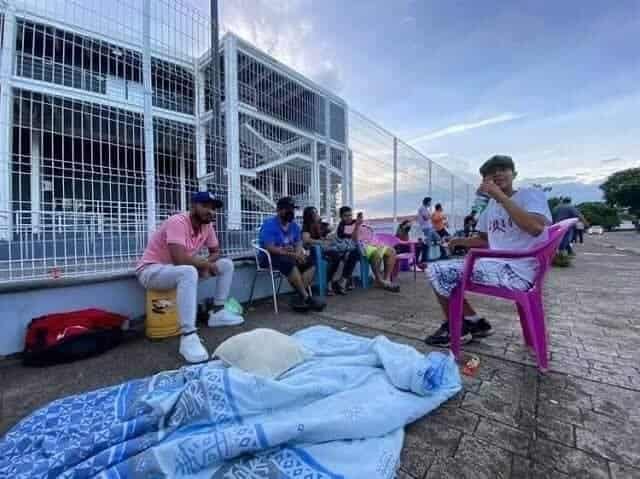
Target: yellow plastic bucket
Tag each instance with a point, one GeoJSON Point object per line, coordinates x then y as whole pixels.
{"type": "Point", "coordinates": [162, 314]}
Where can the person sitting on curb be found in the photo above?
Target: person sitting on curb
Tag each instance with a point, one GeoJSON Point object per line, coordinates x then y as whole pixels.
{"type": "Point", "coordinates": [280, 235]}
{"type": "Point", "coordinates": [170, 261]}
{"type": "Point", "coordinates": [382, 259]}
{"type": "Point", "coordinates": [513, 220]}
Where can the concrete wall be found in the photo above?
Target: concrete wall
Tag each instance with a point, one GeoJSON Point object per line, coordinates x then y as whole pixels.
{"type": "Point", "coordinates": [124, 296]}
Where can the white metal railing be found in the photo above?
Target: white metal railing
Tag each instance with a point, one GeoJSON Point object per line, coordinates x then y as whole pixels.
{"type": "Point", "coordinates": [69, 244]}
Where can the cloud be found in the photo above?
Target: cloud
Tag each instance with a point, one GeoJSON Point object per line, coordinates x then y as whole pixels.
{"type": "Point", "coordinates": [462, 127]}
{"type": "Point", "coordinates": [285, 30]}
{"type": "Point", "coordinates": [611, 161]}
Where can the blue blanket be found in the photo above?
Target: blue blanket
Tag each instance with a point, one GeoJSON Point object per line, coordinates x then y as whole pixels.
{"type": "Point", "coordinates": [339, 414]}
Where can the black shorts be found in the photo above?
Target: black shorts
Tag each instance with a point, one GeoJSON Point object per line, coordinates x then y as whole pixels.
{"type": "Point", "coordinates": [285, 264]}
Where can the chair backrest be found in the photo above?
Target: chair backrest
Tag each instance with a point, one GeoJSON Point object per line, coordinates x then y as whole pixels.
{"type": "Point", "coordinates": [387, 239]}
{"type": "Point", "coordinates": [547, 250]}
{"type": "Point", "coordinates": [257, 250]}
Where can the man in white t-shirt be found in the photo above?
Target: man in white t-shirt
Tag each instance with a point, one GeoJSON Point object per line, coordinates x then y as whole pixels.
{"type": "Point", "coordinates": [513, 220]}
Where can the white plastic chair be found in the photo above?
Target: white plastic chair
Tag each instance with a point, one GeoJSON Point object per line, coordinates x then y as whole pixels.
{"type": "Point", "coordinates": [257, 250]}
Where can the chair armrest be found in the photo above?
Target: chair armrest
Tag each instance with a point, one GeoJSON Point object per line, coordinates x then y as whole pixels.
{"type": "Point", "coordinates": [475, 254]}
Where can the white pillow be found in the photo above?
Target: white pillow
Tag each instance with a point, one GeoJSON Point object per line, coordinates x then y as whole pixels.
{"type": "Point", "coordinates": [263, 352]}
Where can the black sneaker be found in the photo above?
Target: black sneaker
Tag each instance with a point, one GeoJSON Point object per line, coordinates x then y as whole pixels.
{"type": "Point", "coordinates": [315, 303]}
{"type": "Point", "coordinates": [338, 288]}
{"type": "Point", "coordinates": [442, 339]}
{"type": "Point", "coordinates": [299, 304]}
{"type": "Point", "coordinates": [479, 329]}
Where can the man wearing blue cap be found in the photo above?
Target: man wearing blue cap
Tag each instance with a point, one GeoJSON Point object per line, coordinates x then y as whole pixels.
{"type": "Point", "coordinates": [170, 261]}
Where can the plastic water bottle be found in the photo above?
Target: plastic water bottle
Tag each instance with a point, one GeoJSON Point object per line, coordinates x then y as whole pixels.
{"type": "Point", "coordinates": [481, 202]}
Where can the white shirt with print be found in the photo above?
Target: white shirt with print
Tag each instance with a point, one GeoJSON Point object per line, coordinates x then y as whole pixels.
{"type": "Point", "coordinates": [424, 217]}
{"type": "Point", "coordinates": [503, 233]}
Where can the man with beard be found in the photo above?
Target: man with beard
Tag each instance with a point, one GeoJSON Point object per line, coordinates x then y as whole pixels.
{"type": "Point", "coordinates": [171, 261]}
{"type": "Point", "coordinates": [280, 235]}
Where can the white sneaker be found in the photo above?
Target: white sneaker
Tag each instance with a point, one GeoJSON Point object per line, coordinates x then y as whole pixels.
{"type": "Point", "coordinates": [192, 349]}
{"type": "Point", "coordinates": [224, 318]}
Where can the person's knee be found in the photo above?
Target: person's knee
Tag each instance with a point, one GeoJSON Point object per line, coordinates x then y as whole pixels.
{"type": "Point", "coordinates": [187, 273]}
{"type": "Point", "coordinates": [225, 266]}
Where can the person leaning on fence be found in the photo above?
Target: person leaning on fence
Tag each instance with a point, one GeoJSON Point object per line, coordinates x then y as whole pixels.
{"type": "Point", "coordinates": [513, 220]}
{"type": "Point", "coordinates": [170, 261]}
{"type": "Point", "coordinates": [280, 235]}
{"type": "Point", "coordinates": [440, 223]}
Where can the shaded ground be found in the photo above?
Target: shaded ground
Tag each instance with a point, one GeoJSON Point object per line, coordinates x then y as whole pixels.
{"type": "Point", "coordinates": [580, 420]}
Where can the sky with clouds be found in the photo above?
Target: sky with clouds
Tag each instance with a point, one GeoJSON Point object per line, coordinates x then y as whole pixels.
{"type": "Point", "coordinates": [554, 84]}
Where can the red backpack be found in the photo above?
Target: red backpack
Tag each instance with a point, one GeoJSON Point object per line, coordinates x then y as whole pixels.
{"type": "Point", "coordinates": [63, 337]}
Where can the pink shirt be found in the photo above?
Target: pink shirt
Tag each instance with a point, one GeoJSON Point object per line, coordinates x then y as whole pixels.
{"type": "Point", "coordinates": [177, 229]}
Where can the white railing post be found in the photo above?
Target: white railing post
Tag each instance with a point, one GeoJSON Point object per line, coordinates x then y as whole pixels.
{"type": "Point", "coordinates": [36, 161]}
{"type": "Point", "coordinates": [6, 112]}
{"type": "Point", "coordinates": [395, 182]}
{"type": "Point", "coordinates": [149, 148]}
{"type": "Point", "coordinates": [346, 165]}
{"type": "Point", "coordinates": [201, 130]}
{"type": "Point", "coordinates": [453, 199]}
{"type": "Point", "coordinates": [430, 189]}
{"type": "Point", "coordinates": [232, 129]}
{"type": "Point", "coordinates": [315, 176]}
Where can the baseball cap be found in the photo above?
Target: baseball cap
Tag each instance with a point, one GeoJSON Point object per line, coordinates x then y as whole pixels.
{"type": "Point", "coordinates": [286, 203]}
{"type": "Point", "coordinates": [206, 197]}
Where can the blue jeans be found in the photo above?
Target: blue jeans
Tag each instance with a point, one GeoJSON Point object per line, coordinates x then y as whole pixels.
{"type": "Point", "coordinates": [430, 237]}
{"type": "Point", "coordinates": [565, 245]}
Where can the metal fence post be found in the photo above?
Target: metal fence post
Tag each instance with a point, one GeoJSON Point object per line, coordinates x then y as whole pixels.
{"type": "Point", "coordinates": [6, 113]}
{"type": "Point", "coordinates": [232, 120]}
{"type": "Point", "coordinates": [429, 179]}
{"type": "Point", "coordinates": [395, 182]}
{"type": "Point", "coordinates": [149, 149]}
{"type": "Point", "coordinates": [453, 201]}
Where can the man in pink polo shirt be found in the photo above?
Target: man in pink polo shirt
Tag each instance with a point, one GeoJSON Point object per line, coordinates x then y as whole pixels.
{"type": "Point", "coordinates": [170, 261]}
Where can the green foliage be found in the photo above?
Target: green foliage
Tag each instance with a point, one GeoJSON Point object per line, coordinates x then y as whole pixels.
{"type": "Point", "coordinates": [622, 189]}
{"type": "Point", "coordinates": [599, 213]}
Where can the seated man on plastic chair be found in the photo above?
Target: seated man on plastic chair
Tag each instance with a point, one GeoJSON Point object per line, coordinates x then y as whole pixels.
{"type": "Point", "coordinates": [282, 238]}
{"type": "Point", "coordinates": [512, 220]}
{"type": "Point", "coordinates": [170, 261]}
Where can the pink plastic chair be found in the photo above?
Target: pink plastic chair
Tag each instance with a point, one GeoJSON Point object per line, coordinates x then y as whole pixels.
{"type": "Point", "coordinates": [390, 240]}
{"type": "Point", "coordinates": [529, 303]}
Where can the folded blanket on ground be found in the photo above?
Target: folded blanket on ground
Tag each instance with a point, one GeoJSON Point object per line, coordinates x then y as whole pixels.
{"type": "Point", "coordinates": [339, 414]}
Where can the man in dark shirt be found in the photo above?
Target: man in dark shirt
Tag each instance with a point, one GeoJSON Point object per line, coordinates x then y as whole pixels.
{"type": "Point", "coordinates": [563, 212]}
{"type": "Point", "coordinates": [280, 235]}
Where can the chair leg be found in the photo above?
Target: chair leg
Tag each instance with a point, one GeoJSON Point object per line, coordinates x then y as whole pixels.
{"type": "Point", "coordinates": [275, 293]}
{"type": "Point", "coordinates": [253, 286]}
{"type": "Point", "coordinates": [536, 330]}
{"type": "Point", "coordinates": [526, 333]}
{"type": "Point", "coordinates": [455, 320]}
{"type": "Point", "coordinates": [538, 323]}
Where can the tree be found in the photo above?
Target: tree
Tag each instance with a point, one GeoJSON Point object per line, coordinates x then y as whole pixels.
{"type": "Point", "coordinates": [622, 189]}
{"type": "Point", "coordinates": [599, 213]}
